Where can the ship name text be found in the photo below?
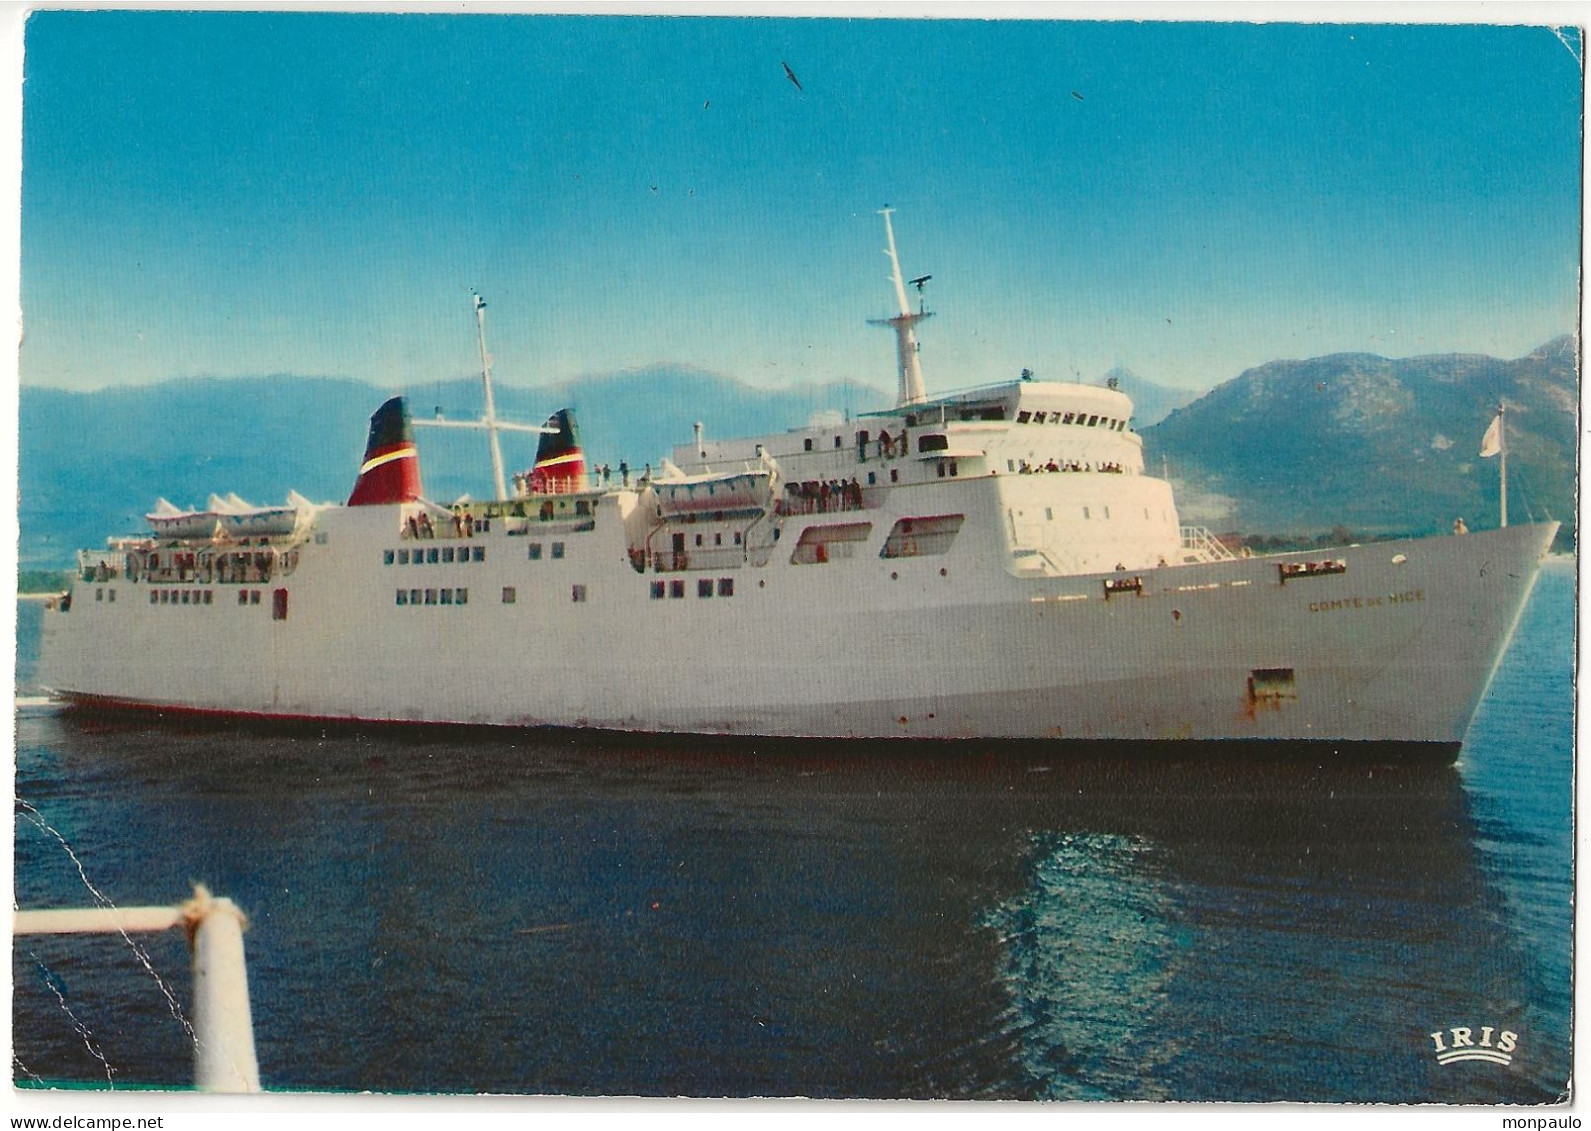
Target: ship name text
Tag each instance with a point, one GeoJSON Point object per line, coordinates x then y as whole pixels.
{"type": "Point", "coordinates": [1378, 601]}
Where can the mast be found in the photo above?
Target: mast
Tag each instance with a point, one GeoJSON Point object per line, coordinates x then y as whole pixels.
{"type": "Point", "coordinates": [911, 370]}
{"type": "Point", "coordinates": [490, 419]}
{"type": "Point", "coordinates": [1495, 443]}
{"type": "Point", "coordinates": [1502, 463]}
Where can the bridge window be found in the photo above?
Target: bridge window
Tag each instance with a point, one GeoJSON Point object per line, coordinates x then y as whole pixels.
{"type": "Point", "coordinates": [1069, 417]}
{"type": "Point", "coordinates": [1038, 417]}
{"type": "Point", "coordinates": [1093, 420]}
{"type": "Point", "coordinates": [1023, 417]}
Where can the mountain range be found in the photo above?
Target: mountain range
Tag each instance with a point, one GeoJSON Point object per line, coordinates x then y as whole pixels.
{"type": "Point", "coordinates": [1378, 445]}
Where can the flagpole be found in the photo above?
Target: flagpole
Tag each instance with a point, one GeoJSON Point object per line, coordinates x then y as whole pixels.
{"type": "Point", "coordinates": [1502, 466]}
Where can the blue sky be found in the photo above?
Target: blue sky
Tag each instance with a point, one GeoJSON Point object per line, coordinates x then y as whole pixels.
{"type": "Point", "coordinates": [253, 193]}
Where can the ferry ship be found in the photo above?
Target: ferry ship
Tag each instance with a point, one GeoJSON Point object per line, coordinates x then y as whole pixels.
{"type": "Point", "coordinates": [986, 564]}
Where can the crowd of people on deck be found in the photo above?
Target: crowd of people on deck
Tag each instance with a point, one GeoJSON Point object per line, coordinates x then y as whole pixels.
{"type": "Point", "coordinates": [821, 497]}
{"type": "Point", "coordinates": [1026, 468]}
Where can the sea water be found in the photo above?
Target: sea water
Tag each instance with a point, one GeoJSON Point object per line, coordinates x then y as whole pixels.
{"type": "Point", "coordinates": [518, 914]}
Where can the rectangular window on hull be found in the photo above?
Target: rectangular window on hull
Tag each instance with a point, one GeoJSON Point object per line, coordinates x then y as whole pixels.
{"type": "Point", "coordinates": [1271, 685]}
{"type": "Point", "coordinates": [509, 595]}
{"type": "Point", "coordinates": [922, 537]}
{"type": "Point", "coordinates": [819, 544]}
{"type": "Point", "coordinates": [279, 604]}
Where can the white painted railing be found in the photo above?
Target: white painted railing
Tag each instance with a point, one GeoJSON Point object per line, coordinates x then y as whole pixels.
{"type": "Point", "coordinates": [223, 1026]}
{"type": "Point", "coordinates": [1199, 545]}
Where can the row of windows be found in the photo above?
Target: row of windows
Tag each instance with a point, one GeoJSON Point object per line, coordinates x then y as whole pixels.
{"type": "Point", "coordinates": [192, 596]}
{"type": "Point", "coordinates": [533, 551]}
{"type": "Point", "coordinates": [577, 594]}
{"type": "Point", "coordinates": [188, 596]}
{"type": "Point", "coordinates": [435, 555]}
{"type": "Point", "coordinates": [99, 595]}
{"type": "Point", "coordinates": [433, 596]}
{"type": "Point", "coordinates": [704, 588]}
{"type": "Point", "coordinates": [1086, 420]}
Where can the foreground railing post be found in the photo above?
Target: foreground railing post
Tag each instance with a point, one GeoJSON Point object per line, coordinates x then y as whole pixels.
{"type": "Point", "coordinates": [223, 1025]}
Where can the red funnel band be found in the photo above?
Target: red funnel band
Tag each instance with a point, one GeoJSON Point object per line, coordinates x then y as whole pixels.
{"type": "Point", "coordinates": [566, 472]}
{"type": "Point", "coordinates": [560, 464]}
{"type": "Point", "coordinates": [390, 472]}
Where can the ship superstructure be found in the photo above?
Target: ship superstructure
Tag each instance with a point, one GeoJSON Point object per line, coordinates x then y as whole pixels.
{"type": "Point", "coordinates": [989, 563]}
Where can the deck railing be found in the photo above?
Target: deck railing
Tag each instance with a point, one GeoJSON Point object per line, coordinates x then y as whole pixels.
{"type": "Point", "coordinates": [223, 1028]}
{"type": "Point", "coordinates": [1199, 545]}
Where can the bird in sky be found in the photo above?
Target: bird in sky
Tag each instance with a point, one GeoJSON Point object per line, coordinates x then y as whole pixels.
{"type": "Point", "coordinates": [791, 75]}
{"type": "Point", "coordinates": [1077, 96]}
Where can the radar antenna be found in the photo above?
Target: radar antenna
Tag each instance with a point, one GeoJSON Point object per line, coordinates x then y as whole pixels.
{"type": "Point", "coordinates": [911, 370]}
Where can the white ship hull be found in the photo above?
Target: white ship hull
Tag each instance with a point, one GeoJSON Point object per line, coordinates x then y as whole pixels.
{"type": "Point", "coordinates": [1397, 648]}
{"type": "Point", "coordinates": [988, 564]}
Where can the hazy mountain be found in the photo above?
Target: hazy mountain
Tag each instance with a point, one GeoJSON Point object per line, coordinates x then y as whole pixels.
{"type": "Point", "coordinates": [1152, 403]}
{"type": "Point", "coordinates": [1375, 444]}
{"type": "Point", "coordinates": [92, 464]}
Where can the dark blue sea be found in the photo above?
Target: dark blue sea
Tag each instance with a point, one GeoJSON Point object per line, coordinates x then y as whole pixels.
{"type": "Point", "coordinates": [513, 914]}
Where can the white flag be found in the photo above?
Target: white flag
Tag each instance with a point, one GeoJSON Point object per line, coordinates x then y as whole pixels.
{"type": "Point", "coordinates": [1492, 442]}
